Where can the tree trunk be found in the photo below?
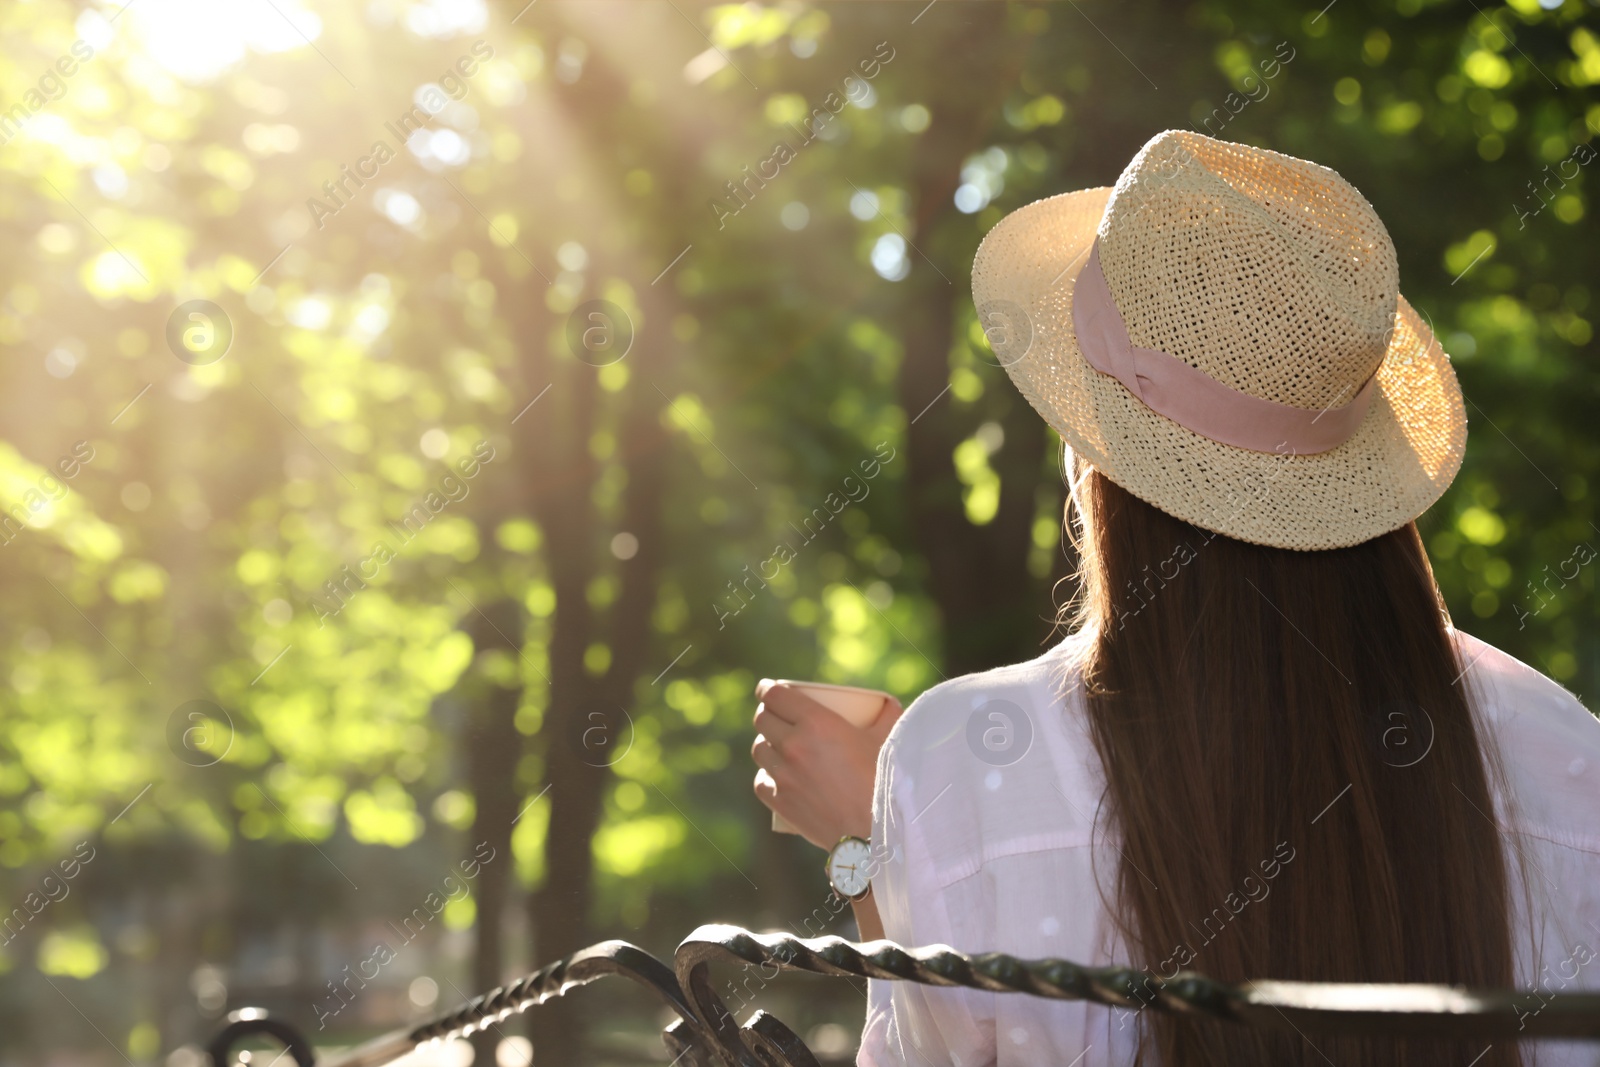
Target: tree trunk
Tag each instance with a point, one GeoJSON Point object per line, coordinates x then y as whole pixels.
{"type": "Point", "coordinates": [566, 515]}
{"type": "Point", "coordinates": [588, 723]}
{"type": "Point", "coordinates": [989, 604]}
{"type": "Point", "coordinates": [493, 748]}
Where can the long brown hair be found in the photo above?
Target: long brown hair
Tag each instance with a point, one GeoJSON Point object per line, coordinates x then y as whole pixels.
{"type": "Point", "coordinates": [1294, 770]}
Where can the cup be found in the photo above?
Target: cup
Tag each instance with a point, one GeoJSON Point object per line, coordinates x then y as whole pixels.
{"type": "Point", "coordinates": [856, 706]}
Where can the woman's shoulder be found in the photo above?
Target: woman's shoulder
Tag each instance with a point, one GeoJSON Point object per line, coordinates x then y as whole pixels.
{"type": "Point", "coordinates": [1505, 688]}
{"type": "Point", "coordinates": [1547, 741]}
{"type": "Point", "coordinates": [993, 764]}
{"type": "Point", "coordinates": [991, 699]}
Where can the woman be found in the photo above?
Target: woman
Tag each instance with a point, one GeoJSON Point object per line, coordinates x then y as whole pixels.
{"type": "Point", "coordinates": [1263, 752]}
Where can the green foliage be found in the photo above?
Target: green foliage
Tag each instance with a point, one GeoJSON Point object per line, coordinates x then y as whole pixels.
{"type": "Point", "coordinates": [292, 534]}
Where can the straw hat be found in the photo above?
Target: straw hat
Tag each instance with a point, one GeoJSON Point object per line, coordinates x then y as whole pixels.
{"type": "Point", "coordinates": [1222, 334]}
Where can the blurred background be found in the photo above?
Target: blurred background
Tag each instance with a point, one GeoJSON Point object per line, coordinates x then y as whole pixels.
{"type": "Point", "coordinates": [424, 421]}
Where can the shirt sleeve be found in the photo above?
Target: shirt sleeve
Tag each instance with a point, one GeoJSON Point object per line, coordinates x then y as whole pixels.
{"type": "Point", "coordinates": [908, 1023]}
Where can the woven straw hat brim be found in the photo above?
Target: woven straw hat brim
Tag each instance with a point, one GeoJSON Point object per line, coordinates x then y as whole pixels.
{"type": "Point", "coordinates": [1400, 460]}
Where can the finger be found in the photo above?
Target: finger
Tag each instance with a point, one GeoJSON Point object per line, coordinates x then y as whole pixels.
{"type": "Point", "coordinates": [766, 754]}
{"type": "Point", "coordinates": [790, 704]}
{"type": "Point", "coordinates": [769, 723]}
{"type": "Point", "coordinates": [765, 789]}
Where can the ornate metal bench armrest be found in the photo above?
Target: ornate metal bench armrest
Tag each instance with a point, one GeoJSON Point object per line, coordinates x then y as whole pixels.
{"type": "Point", "coordinates": [1413, 1010]}
{"type": "Point", "coordinates": [550, 981]}
{"type": "Point", "coordinates": [706, 1033]}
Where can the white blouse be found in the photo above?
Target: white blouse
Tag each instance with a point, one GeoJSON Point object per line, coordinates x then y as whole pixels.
{"type": "Point", "coordinates": [985, 801]}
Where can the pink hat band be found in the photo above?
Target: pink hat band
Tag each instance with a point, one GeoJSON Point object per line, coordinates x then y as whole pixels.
{"type": "Point", "coordinates": [1191, 398]}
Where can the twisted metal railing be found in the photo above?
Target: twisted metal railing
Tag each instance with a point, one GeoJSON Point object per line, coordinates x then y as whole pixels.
{"type": "Point", "coordinates": [706, 1034]}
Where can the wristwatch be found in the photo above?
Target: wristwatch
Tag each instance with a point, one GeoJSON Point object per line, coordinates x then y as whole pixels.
{"type": "Point", "coordinates": [849, 868]}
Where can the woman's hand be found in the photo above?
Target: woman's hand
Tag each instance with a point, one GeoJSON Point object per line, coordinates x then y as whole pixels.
{"type": "Point", "coordinates": [817, 770]}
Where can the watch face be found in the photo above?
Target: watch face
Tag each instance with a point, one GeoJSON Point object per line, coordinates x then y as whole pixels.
{"type": "Point", "coordinates": [850, 867]}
